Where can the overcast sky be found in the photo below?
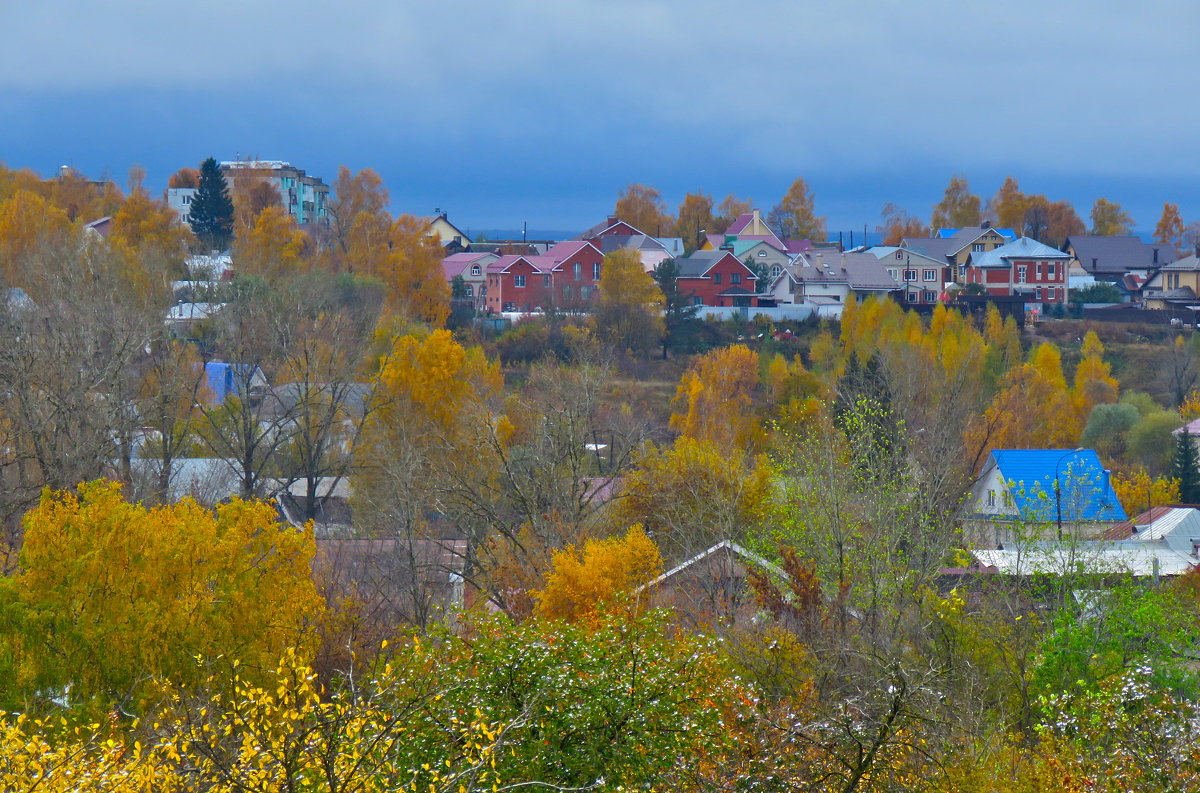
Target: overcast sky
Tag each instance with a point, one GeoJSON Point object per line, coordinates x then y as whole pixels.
{"type": "Point", "coordinates": [541, 110]}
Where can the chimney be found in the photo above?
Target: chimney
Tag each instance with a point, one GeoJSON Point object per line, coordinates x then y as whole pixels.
{"type": "Point", "coordinates": [612, 219]}
{"type": "Point", "coordinates": [987, 224]}
{"type": "Point", "coordinates": [756, 217]}
{"type": "Point", "coordinates": [1156, 255]}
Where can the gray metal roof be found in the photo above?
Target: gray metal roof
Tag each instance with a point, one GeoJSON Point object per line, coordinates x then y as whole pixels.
{"type": "Point", "coordinates": [1020, 248]}
{"type": "Point", "coordinates": [1186, 264]}
{"type": "Point", "coordinates": [933, 247]}
{"type": "Point", "coordinates": [1118, 254]}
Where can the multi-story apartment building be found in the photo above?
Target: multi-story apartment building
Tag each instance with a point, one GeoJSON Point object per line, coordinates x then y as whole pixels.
{"type": "Point", "coordinates": [305, 197]}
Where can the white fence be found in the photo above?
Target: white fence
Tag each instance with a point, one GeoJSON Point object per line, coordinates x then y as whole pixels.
{"type": "Point", "coordinates": [775, 313]}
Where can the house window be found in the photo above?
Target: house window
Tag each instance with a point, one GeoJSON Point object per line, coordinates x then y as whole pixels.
{"type": "Point", "coordinates": [518, 280]}
{"type": "Point", "coordinates": [1050, 270]}
{"type": "Point", "coordinates": [186, 218]}
{"type": "Point", "coordinates": [976, 247]}
{"type": "Point", "coordinates": [762, 253]}
{"type": "Point", "coordinates": [187, 199]}
{"type": "Point", "coordinates": [991, 498]}
{"type": "Point", "coordinates": [1021, 274]}
{"type": "Point", "coordinates": [716, 278]}
{"type": "Point", "coordinates": [910, 275]}
{"type": "Point", "coordinates": [930, 297]}
{"type": "Point", "coordinates": [899, 255]}
{"type": "Point", "coordinates": [697, 301]}
{"type": "Point", "coordinates": [911, 297]}
{"type": "Point", "coordinates": [566, 292]}
{"type": "Point", "coordinates": [475, 269]}
{"type": "Point", "coordinates": [578, 271]}
{"type": "Point", "coordinates": [931, 275]}
{"type": "Point", "coordinates": [1037, 294]}
{"type": "Point", "coordinates": [735, 278]}
{"type": "Point", "coordinates": [596, 271]}
{"type": "Point", "coordinates": [776, 270]}
{"type": "Point", "coordinates": [585, 292]}
{"type": "Point", "coordinates": [892, 272]}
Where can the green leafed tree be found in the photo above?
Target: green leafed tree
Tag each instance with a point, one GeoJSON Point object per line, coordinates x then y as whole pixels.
{"type": "Point", "coordinates": [679, 310]}
{"type": "Point", "coordinates": [1185, 468]}
{"type": "Point", "coordinates": [212, 209]}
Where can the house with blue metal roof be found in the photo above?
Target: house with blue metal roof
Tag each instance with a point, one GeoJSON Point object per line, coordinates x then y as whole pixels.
{"type": "Point", "coordinates": [233, 379]}
{"type": "Point", "coordinates": [1024, 494]}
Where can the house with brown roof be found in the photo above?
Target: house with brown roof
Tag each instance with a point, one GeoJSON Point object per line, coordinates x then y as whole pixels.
{"type": "Point", "coordinates": [955, 246]}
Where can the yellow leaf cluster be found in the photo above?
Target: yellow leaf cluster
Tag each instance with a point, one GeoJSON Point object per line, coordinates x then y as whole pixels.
{"type": "Point", "coordinates": [695, 493]}
{"type": "Point", "coordinates": [433, 381]}
{"type": "Point", "coordinates": [112, 592]}
{"type": "Point", "coordinates": [273, 246]}
{"type": "Point", "coordinates": [715, 400]}
{"type": "Point", "coordinates": [584, 584]}
{"type": "Point", "coordinates": [27, 221]}
{"type": "Point", "coordinates": [1138, 491]}
{"type": "Point", "coordinates": [1094, 382]}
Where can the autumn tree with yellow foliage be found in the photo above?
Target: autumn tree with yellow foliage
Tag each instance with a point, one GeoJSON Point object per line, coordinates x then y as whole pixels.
{"type": "Point", "coordinates": [29, 227]}
{"type": "Point", "coordinates": [1033, 410]}
{"type": "Point", "coordinates": [599, 578]}
{"type": "Point", "coordinates": [629, 304]}
{"type": "Point", "coordinates": [718, 399]}
{"type": "Point", "coordinates": [1094, 381]}
{"type": "Point", "coordinates": [694, 494]}
{"type": "Point", "coordinates": [111, 593]}
{"type": "Point", "coordinates": [273, 247]}
{"type": "Point", "coordinates": [642, 207]}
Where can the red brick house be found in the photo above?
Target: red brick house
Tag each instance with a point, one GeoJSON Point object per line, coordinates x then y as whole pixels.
{"type": "Point", "coordinates": [1024, 268]}
{"type": "Point", "coordinates": [575, 266]}
{"type": "Point", "coordinates": [567, 275]}
{"type": "Point", "coordinates": [717, 278]}
{"type": "Point", "coordinates": [518, 283]}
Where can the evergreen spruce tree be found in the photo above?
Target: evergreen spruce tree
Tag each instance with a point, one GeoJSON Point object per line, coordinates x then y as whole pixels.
{"type": "Point", "coordinates": [679, 312]}
{"type": "Point", "coordinates": [1186, 469]}
{"type": "Point", "coordinates": [212, 209]}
